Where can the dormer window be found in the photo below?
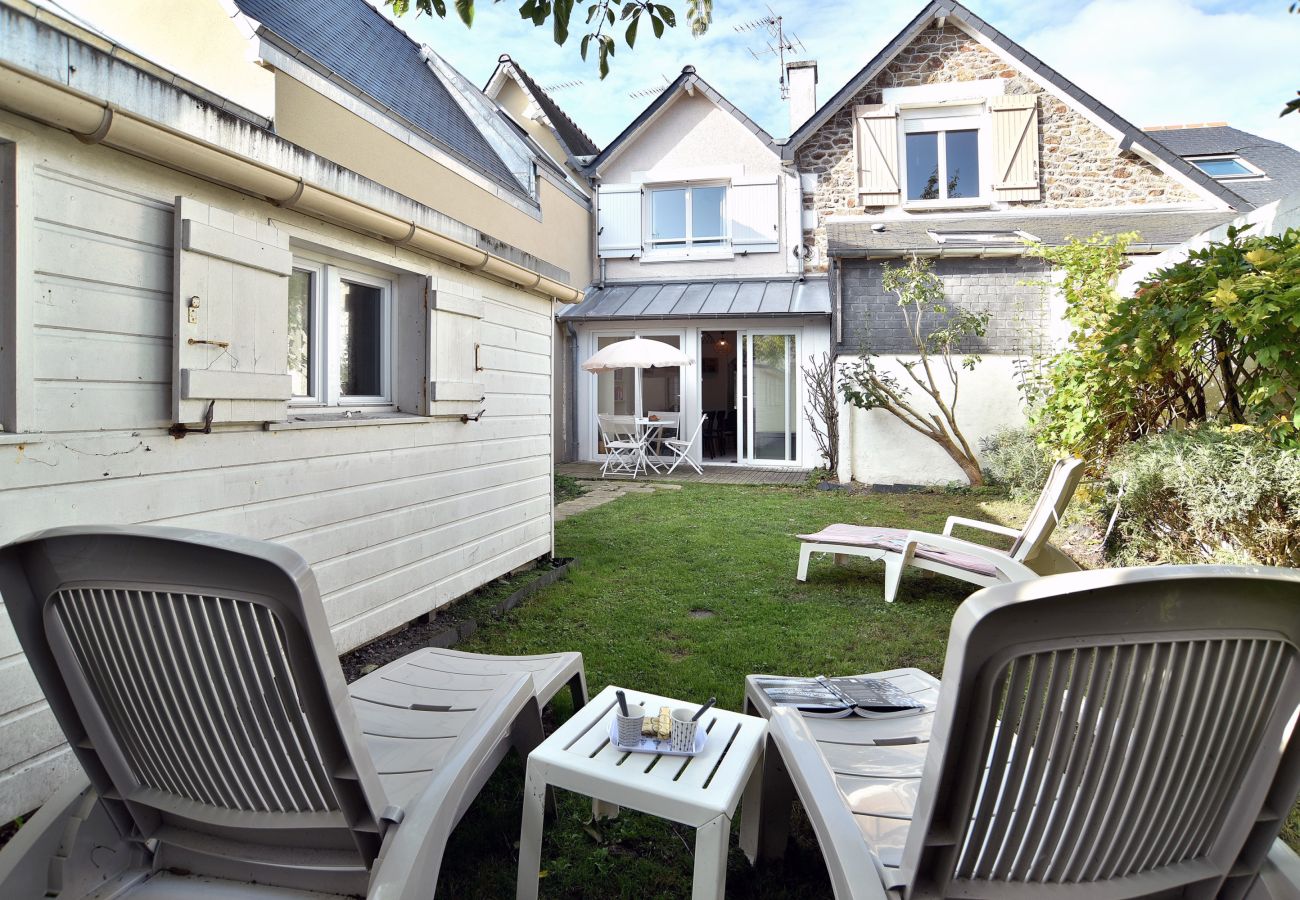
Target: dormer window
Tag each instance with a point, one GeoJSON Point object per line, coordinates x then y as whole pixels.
{"type": "Point", "coordinates": [1226, 167]}
{"type": "Point", "coordinates": [688, 216]}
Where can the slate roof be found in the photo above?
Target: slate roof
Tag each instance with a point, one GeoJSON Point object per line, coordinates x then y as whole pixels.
{"type": "Point", "coordinates": [1280, 163]}
{"type": "Point", "coordinates": [355, 42]}
{"type": "Point", "coordinates": [1157, 231]}
{"type": "Point", "coordinates": [1042, 72]}
{"type": "Point", "coordinates": [575, 140]}
{"type": "Point", "coordinates": [715, 299]}
{"type": "Point", "coordinates": [688, 79]}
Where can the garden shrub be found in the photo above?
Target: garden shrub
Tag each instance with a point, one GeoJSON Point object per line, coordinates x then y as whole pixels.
{"type": "Point", "coordinates": [1209, 339]}
{"type": "Point", "coordinates": [1014, 460]}
{"type": "Point", "coordinates": [1206, 495]}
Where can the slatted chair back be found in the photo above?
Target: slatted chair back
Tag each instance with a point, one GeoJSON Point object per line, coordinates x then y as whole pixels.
{"type": "Point", "coordinates": [1057, 492]}
{"type": "Point", "coordinates": [195, 679]}
{"type": "Point", "coordinates": [1112, 734]}
{"type": "Point", "coordinates": [619, 428]}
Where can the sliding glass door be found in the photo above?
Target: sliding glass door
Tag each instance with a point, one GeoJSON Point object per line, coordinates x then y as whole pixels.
{"type": "Point", "coordinates": [769, 401]}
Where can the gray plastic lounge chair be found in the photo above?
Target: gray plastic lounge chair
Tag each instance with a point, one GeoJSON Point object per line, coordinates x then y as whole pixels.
{"type": "Point", "coordinates": [224, 755]}
{"type": "Point", "coordinates": [1107, 734]}
{"type": "Point", "coordinates": [1029, 557]}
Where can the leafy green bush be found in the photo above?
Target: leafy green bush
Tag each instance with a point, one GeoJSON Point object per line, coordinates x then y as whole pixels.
{"type": "Point", "coordinates": [1013, 459]}
{"type": "Point", "coordinates": [1206, 495]}
{"type": "Point", "coordinates": [1209, 339]}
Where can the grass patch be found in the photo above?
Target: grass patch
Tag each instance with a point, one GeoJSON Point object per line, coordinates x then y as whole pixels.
{"type": "Point", "coordinates": [567, 488]}
{"type": "Point", "coordinates": [684, 593]}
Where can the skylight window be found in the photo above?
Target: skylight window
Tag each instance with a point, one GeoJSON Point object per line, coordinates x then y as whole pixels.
{"type": "Point", "coordinates": [1225, 167]}
{"type": "Point", "coordinates": [983, 238]}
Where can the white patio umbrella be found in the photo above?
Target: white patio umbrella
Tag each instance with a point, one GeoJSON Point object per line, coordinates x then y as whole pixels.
{"type": "Point", "coordinates": [636, 353]}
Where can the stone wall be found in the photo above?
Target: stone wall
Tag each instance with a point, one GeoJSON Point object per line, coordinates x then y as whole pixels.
{"type": "Point", "coordinates": [1018, 320]}
{"type": "Point", "coordinates": [1079, 166]}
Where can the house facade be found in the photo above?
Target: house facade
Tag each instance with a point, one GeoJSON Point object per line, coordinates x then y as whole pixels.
{"type": "Point", "coordinates": [955, 144]}
{"type": "Point", "coordinates": [326, 322]}
{"type": "Point", "coordinates": [698, 245]}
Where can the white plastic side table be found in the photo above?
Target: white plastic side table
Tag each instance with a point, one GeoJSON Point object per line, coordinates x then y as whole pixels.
{"type": "Point", "coordinates": [700, 791]}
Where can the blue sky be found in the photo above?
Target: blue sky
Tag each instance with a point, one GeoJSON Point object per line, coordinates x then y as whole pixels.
{"type": "Point", "coordinates": [1153, 61]}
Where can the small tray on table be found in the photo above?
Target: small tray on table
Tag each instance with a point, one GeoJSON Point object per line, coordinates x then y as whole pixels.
{"type": "Point", "coordinates": [654, 745]}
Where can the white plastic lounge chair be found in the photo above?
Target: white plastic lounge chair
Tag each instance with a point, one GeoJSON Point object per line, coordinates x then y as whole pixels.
{"type": "Point", "coordinates": [624, 445]}
{"type": "Point", "coordinates": [1106, 734]}
{"type": "Point", "coordinates": [681, 449]}
{"type": "Point", "coordinates": [1030, 555]}
{"type": "Point", "coordinates": [195, 678]}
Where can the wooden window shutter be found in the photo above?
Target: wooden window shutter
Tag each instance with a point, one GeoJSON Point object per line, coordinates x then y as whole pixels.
{"type": "Point", "coordinates": [876, 138]}
{"type": "Point", "coordinates": [232, 317]}
{"type": "Point", "coordinates": [455, 383]}
{"type": "Point", "coordinates": [755, 217]}
{"type": "Point", "coordinates": [618, 217]}
{"type": "Point", "coordinates": [1015, 147]}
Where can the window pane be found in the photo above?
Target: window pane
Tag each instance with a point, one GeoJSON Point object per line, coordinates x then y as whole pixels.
{"type": "Point", "coordinates": [668, 214]}
{"type": "Point", "coordinates": [301, 289]}
{"type": "Point", "coordinates": [963, 163]}
{"type": "Point", "coordinates": [923, 166]}
{"type": "Point", "coordinates": [707, 212]}
{"type": "Point", "coordinates": [661, 388]}
{"type": "Point", "coordinates": [1220, 168]}
{"type": "Point", "coordinates": [361, 341]}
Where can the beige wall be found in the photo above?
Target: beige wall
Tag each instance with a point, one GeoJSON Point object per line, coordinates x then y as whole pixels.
{"type": "Point", "coordinates": [196, 39]}
{"type": "Point", "coordinates": [516, 103]}
{"type": "Point", "coordinates": [693, 139]}
{"type": "Point", "coordinates": [561, 237]}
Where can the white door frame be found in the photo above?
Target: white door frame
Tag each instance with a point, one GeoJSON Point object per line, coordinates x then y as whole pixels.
{"type": "Point", "coordinates": [593, 344]}
{"type": "Point", "coordinates": [745, 389]}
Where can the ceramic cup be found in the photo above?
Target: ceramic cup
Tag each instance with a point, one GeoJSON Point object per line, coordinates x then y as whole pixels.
{"type": "Point", "coordinates": [629, 727]}
{"type": "Point", "coordinates": [682, 738]}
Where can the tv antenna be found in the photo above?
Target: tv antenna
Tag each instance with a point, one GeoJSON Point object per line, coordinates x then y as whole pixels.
{"type": "Point", "coordinates": [651, 91]}
{"type": "Point", "coordinates": [778, 42]}
{"type": "Point", "coordinates": [562, 86]}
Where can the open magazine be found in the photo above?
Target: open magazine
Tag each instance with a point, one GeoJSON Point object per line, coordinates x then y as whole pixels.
{"type": "Point", "coordinates": [837, 698]}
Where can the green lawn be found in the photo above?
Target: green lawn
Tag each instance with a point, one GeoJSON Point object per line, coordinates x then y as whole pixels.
{"type": "Point", "coordinates": [684, 593]}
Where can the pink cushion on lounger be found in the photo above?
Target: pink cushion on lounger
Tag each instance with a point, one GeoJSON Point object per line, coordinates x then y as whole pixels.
{"type": "Point", "coordinates": [892, 539]}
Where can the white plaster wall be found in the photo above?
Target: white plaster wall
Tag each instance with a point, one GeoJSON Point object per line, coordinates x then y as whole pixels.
{"type": "Point", "coordinates": [880, 449]}
{"type": "Point", "coordinates": [694, 140]}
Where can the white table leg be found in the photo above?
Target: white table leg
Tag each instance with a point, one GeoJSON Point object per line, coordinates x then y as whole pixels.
{"type": "Point", "coordinates": [711, 840]}
{"type": "Point", "coordinates": [751, 810]}
{"type": "Point", "coordinates": [601, 809]}
{"type": "Point", "coordinates": [530, 836]}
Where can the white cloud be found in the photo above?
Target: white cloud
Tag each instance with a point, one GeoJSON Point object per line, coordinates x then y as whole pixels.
{"type": "Point", "coordinates": [1154, 62]}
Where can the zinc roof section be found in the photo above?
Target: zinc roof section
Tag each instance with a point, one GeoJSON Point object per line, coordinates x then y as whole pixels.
{"type": "Point", "coordinates": [355, 42]}
{"type": "Point", "coordinates": [704, 299]}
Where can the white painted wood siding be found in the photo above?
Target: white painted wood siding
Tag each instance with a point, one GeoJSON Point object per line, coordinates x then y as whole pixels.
{"type": "Point", "coordinates": [395, 519]}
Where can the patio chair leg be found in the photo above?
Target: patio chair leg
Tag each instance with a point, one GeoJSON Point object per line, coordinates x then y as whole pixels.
{"type": "Point", "coordinates": [841, 559]}
{"type": "Point", "coordinates": [893, 576]}
{"type": "Point", "coordinates": [578, 691]}
{"type": "Point", "coordinates": [751, 809]}
{"type": "Point", "coordinates": [805, 553]}
{"type": "Point", "coordinates": [530, 838]}
{"type": "Point", "coordinates": [776, 805]}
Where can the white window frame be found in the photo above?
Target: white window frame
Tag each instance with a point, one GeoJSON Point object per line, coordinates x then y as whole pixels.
{"type": "Point", "coordinates": [1252, 171]}
{"type": "Point", "coordinates": [690, 241]}
{"type": "Point", "coordinates": [940, 120]}
{"type": "Point", "coordinates": [325, 341]}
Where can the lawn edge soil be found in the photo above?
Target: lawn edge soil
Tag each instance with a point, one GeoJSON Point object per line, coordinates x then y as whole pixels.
{"type": "Point", "coordinates": [456, 621]}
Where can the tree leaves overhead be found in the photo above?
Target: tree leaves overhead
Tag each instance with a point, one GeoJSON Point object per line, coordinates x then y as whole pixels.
{"type": "Point", "coordinates": [600, 15]}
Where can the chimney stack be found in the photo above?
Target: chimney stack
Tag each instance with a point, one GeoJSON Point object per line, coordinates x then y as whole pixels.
{"type": "Point", "coordinates": [801, 80]}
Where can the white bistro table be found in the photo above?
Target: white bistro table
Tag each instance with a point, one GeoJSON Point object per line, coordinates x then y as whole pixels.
{"type": "Point", "coordinates": [700, 791]}
{"type": "Point", "coordinates": [653, 430]}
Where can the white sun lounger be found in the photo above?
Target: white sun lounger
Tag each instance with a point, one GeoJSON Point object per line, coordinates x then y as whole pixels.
{"type": "Point", "coordinates": [1107, 734]}
{"type": "Point", "coordinates": [195, 678]}
{"type": "Point", "coordinates": [1029, 557]}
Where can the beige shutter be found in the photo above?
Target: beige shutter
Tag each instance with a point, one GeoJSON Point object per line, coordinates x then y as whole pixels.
{"type": "Point", "coordinates": [231, 350]}
{"type": "Point", "coordinates": [876, 137]}
{"type": "Point", "coordinates": [1015, 146]}
{"type": "Point", "coordinates": [755, 217]}
{"type": "Point", "coordinates": [618, 218]}
{"type": "Point", "coordinates": [454, 378]}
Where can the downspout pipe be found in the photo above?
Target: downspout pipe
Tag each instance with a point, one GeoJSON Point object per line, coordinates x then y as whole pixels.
{"type": "Point", "coordinates": [95, 121]}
